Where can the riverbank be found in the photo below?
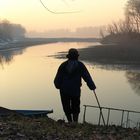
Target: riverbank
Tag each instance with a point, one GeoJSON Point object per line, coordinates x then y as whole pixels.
{"type": "Point", "coordinates": [110, 54]}
{"type": "Point", "coordinates": [113, 54]}
{"type": "Point", "coordinates": [17, 127]}
{"type": "Point", "coordinates": [26, 42]}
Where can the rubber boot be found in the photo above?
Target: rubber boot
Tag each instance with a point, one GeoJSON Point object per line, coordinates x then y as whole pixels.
{"type": "Point", "coordinates": [69, 117]}
{"type": "Point", "coordinates": [75, 117]}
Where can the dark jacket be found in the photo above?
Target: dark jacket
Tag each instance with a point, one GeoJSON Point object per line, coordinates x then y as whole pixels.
{"type": "Point", "coordinates": [68, 77]}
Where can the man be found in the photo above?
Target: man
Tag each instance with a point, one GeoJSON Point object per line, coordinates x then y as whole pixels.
{"type": "Point", "coordinates": [68, 81]}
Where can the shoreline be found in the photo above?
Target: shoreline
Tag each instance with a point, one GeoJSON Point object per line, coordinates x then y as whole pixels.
{"type": "Point", "coordinates": [118, 55]}
{"type": "Point", "coordinates": [25, 128]}
{"type": "Point", "coordinates": [109, 54]}
{"type": "Point", "coordinates": [25, 43]}
{"type": "Point", "coordinates": [105, 54]}
{"type": "Point", "coordinates": [18, 127]}
{"type": "Point", "coordinates": [38, 41]}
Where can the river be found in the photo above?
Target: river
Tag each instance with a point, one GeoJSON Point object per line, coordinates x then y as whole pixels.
{"type": "Point", "coordinates": [26, 82]}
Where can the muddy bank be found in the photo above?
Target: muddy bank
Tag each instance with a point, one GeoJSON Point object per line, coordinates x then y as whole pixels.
{"type": "Point", "coordinates": [22, 128]}
{"type": "Point", "coordinates": [112, 54]}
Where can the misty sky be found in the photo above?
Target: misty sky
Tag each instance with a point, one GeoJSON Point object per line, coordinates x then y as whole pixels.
{"type": "Point", "coordinates": [33, 16]}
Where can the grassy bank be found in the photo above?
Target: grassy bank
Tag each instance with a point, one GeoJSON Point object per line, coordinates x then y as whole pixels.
{"type": "Point", "coordinates": [22, 128]}
{"type": "Point", "coordinates": [121, 54]}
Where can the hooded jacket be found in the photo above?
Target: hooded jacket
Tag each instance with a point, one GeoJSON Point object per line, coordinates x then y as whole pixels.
{"type": "Point", "coordinates": [69, 77]}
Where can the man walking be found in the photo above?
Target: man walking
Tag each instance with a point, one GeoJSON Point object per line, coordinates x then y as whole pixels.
{"type": "Point", "coordinates": [68, 81]}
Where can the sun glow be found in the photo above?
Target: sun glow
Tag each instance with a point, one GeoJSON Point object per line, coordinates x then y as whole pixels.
{"type": "Point", "coordinates": [34, 16]}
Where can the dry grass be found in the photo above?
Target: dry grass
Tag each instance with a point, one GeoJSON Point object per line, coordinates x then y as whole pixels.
{"type": "Point", "coordinates": [22, 128]}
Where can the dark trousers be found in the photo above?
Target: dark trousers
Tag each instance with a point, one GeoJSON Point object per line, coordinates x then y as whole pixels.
{"type": "Point", "coordinates": [71, 106]}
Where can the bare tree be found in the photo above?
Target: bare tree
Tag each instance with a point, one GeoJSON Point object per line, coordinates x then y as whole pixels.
{"type": "Point", "coordinates": [132, 13]}
{"type": "Point", "coordinates": [130, 26]}
{"type": "Point", "coordinates": [115, 28]}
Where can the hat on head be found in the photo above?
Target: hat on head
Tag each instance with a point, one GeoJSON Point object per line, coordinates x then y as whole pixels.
{"type": "Point", "coordinates": [72, 53]}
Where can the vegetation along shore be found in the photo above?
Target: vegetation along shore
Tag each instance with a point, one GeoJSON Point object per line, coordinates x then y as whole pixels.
{"type": "Point", "coordinates": [16, 127]}
{"type": "Point", "coordinates": [112, 54]}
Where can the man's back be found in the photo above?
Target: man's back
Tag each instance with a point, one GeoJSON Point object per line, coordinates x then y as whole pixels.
{"type": "Point", "coordinates": [68, 78]}
{"type": "Point", "coordinates": [68, 81]}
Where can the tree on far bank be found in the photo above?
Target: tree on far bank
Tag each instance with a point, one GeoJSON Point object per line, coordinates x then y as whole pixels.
{"type": "Point", "coordinates": [132, 13]}
{"type": "Point", "coordinates": [126, 29]}
{"type": "Point", "coordinates": [10, 31]}
{"type": "Point", "coordinates": [5, 30]}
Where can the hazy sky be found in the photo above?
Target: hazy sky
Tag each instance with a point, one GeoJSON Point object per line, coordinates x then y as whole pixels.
{"type": "Point", "coordinates": [32, 15]}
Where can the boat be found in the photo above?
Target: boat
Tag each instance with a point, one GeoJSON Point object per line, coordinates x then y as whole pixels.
{"type": "Point", "coordinates": [30, 113]}
{"type": "Point", "coordinates": [36, 113]}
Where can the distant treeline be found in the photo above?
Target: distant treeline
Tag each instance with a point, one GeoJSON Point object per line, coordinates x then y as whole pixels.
{"type": "Point", "coordinates": [10, 31]}
{"type": "Point", "coordinates": [126, 29]}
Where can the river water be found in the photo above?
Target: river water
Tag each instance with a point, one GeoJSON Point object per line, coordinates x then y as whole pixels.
{"type": "Point", "coordinates": [26, 82]}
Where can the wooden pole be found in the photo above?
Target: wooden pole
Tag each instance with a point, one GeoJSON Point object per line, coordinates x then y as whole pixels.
{"type": "Point", "coordinates": [99, 108]}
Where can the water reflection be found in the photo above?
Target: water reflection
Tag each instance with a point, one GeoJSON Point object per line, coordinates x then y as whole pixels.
{"type": "Point", "coordinates": [7, 56]}
{"type": "Point", "coordinates": [134, 80]}
{"type": "Point", "coordinates": [84, 56]}
{"type": "Point", "coordinates": [132, 71]}
{"type": "Point", "coordinates": [27, 83]}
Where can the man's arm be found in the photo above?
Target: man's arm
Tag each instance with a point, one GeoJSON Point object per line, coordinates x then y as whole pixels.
{"type": "Point", "coordinates": [58, 78]}
{"type": "Point", "coordinates": [87, 78]}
